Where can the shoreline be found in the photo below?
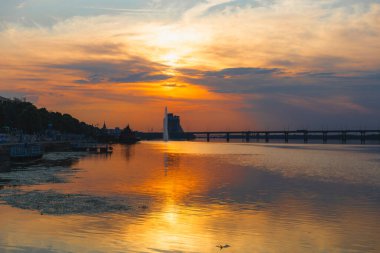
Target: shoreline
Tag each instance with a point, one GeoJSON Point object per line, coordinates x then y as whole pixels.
{"type": "Point", "coordinates": [47, 146]}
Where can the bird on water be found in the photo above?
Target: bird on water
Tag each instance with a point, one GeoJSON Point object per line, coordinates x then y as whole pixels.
{"type": "Point", "coordinates": [223, 246]}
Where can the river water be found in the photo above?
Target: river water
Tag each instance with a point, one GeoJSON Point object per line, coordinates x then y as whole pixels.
{"type": "Point", "coordinates": [192, 196]}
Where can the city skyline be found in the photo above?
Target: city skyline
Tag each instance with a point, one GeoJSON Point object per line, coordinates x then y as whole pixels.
{"type": "Point", "coordinates": [219, 64]}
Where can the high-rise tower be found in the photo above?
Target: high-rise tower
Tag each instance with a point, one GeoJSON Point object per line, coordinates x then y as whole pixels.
{"type": "Point", "coordinates": [166, 130]}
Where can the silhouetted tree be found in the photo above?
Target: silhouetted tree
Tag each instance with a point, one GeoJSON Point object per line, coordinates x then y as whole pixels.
{"type": "Point", "coordinates": [28, 118]}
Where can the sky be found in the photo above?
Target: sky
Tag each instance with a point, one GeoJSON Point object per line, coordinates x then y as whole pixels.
{"type": "Point", "coordinates": [219, 64]}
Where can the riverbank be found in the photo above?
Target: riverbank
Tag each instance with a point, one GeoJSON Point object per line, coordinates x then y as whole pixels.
{"type": "Point", "coordinates": [57, 146]}
{"type": "Point", "coordinates": [24, 187]}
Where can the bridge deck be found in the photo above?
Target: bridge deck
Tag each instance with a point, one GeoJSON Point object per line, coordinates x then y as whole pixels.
{"type": "Point", "coordinates": [286, 131]}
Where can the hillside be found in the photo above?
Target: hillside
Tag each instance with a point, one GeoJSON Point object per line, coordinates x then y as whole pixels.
{"type": "Point", "coordinates": [20, 115]}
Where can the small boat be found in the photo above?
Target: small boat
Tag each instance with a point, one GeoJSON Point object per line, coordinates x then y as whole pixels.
{"type": "Point", "coordinates": [26, 152]}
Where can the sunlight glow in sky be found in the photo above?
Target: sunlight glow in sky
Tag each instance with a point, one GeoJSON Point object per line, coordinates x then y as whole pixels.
{"type": "Point", "coordinates": [219, 64]}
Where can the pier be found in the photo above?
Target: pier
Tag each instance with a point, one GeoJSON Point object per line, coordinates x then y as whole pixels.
{"type": "Point", "coordinates": [305, 135]}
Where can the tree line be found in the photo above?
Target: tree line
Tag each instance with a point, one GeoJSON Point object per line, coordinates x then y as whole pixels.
{"type": "Point", "coordinates": [25, 116]}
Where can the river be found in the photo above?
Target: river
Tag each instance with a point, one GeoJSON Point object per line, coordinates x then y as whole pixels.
{"type": "Point", "coordinates": [193, 196]}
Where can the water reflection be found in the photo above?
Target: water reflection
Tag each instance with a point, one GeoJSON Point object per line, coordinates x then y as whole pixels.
{"type": "Point", "coordinates": [166, 163]}
{"type": "Point", "coordinates": [256, 198]}
{"type": "Point", "coordinates": [129, 151]}
{"type": "Point", "coordinates": [171, 162]}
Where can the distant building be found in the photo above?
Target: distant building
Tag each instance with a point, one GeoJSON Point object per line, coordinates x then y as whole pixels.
{"type": "Point", "coordinates": [174, 124]}
{"type": "Point", "coordinates": [128, 136]}
{"type": "Point", "coordinates": [117, 132]}
{"type": "Point", "coordinates": [3, 99]}
{"type": "Point", "coordinates": [104, 128]}
{"type": "Point", "coordinates": [4, 138]}
{"type": "Point", "coordinates": [174, 129]}
{"type": "Point", "coordinates": [114, 132]}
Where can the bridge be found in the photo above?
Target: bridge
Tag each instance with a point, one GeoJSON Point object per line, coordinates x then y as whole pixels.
{"type": "Point", "coordinates": [247, 136]}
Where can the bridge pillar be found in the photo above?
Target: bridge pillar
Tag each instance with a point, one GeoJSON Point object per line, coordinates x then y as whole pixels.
{"type": "Point", "coordinates": [266, 137]}
{"type": "Point", "coordinates": [286, 137]}
{"type": "Point", "coordinates": [324, 137]}
{"type": "Point", "coordinates": [247, 136]}
{"type": "Point", "coordinates": [208, 137]}
{"type": "Point", "coordinates": [228, 137]}
{"type": "Point", "coordinates": [344, 137]}
{"type": "Point", "coordinates": [362, 137]}
{"type": "Point", "coordinates": [305, 137]}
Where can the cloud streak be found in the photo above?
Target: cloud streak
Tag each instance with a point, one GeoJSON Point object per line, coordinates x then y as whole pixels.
{"type": "Point", "coordinates": [107, 71]}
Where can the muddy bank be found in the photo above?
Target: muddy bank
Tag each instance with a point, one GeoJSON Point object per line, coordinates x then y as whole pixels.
{"type": "Point", "coordinates": [55, 203]}
{"type": "Point", "coordinates": [58, 168]}
{"type": "Point", "coordinates": [54, 168]}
